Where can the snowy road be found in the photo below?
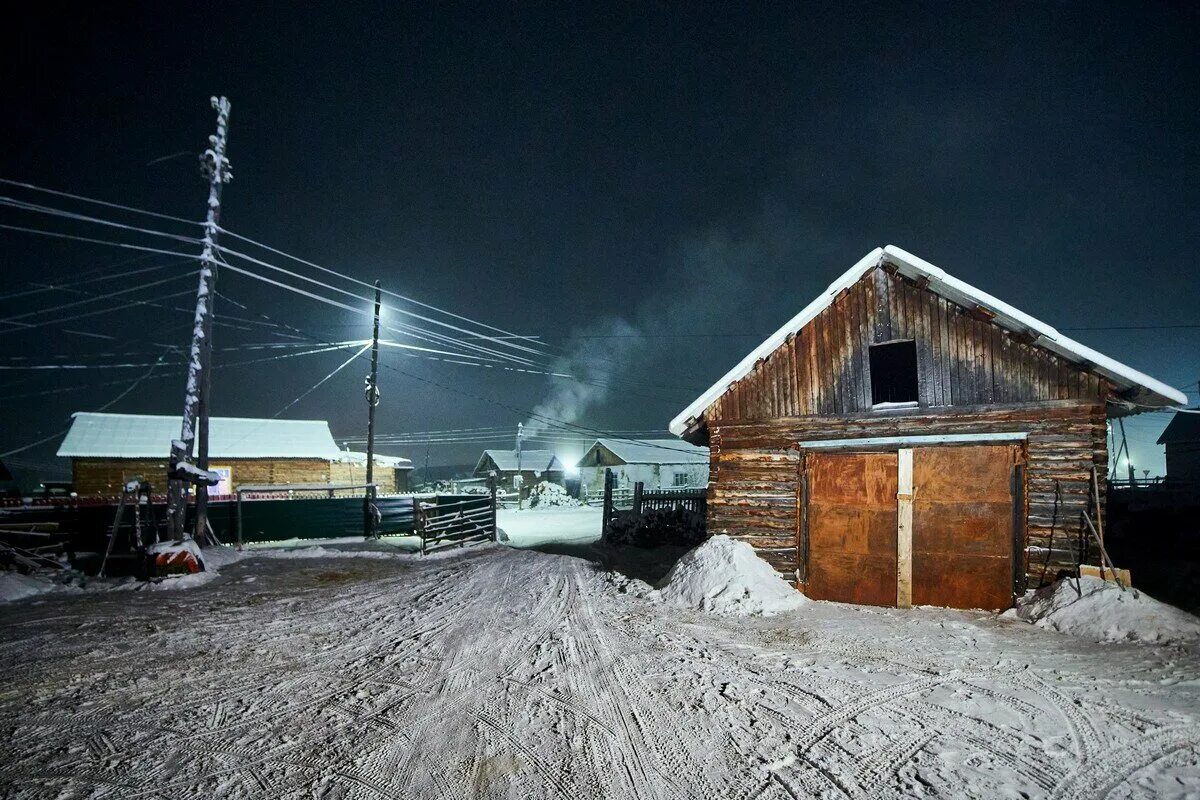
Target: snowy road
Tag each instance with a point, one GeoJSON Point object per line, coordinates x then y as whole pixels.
{"type": "Point", "coordinates": [516, 674]}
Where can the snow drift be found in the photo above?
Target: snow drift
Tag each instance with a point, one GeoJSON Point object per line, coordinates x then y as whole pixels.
{"type": "Point", "coordinates": [726, 577]}
{"type": "Point", "coordinates": [1105, 613]}
{"type": "Point", "coordinates": [14, 586]}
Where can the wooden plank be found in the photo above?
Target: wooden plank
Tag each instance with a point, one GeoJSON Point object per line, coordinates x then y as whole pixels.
{"type": "Point", "coordinates": [904, 527]}
{"type": "Point", "coordinates": [883, 306]}
{"type": "Point", "coordinates": [935, 349]}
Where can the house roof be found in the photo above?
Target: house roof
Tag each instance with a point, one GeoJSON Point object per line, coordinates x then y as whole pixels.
{"type": "Point", "coordinates": [1141, 388]}
{"type": "Point", "coordinates": [506, 460]}
{"type": "Point", "coordinates": [652, 451]}
{"type": "Point", "coordinates": [1182, 428]}
{"type": "Point", "coordinates": [359, 457]}
{"type": "Point", "coordinates": [149, 436]}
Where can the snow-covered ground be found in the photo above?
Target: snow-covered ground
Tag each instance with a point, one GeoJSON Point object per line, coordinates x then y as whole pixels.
{"type": "Point", "coordinates": [534, 527]}
{"type": "Point", "coordinates": [507, 673]}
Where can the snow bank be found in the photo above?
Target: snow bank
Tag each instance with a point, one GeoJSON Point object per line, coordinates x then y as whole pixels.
{"type": "Point", "coordinates": [725, 576]}
{"type": "Point", "coordinates": [551, 495]}
{"type": "Point", "coordinates": [15, 586]}
{"type": "Point", "coordinates": [1106, 614]}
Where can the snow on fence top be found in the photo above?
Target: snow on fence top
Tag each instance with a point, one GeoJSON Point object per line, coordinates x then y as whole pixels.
{"type": "Point", "coordinates": [1147, 390]}
{"type": "Point", "coordinates": [95, 435]}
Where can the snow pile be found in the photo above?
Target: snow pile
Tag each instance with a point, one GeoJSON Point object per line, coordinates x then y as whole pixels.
{"type": "Point", "coordinates": [15, 586]}
{"type": "Point", "coordinates": [551, 495]}
{"type": "Point", "coordinates": [725, 576]}
{"type": "Point", "coordinates": [1105, 613]}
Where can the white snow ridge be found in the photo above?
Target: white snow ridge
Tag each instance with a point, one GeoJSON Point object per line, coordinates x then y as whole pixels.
{"type": "Point", "coordinates": [726, 577]}
{"type": "Point", "coordinates": [1105, 613]}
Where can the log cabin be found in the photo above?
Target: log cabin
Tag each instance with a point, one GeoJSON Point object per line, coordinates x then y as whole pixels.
{"type": "Point", "coordinates": [107, 450]}
{"type": "Point", "coordinates": [908, 439]}
{"type": "Point", "coordinates": [655, 463]}
{"type": "Point", "coordinates": [531, 466]}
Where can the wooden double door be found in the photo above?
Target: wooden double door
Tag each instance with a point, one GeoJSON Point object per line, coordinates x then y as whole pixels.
{"type": "Point", "coordinates": [912, 526]}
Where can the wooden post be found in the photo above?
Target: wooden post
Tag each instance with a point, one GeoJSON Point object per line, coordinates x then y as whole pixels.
{"type": "Point", "coordinates": [638, 488]}
{"type": "Point", "coordinates": [239, 519]}
{"type": "Point", "coordinates": [904, 527]}
{"type": "Point", "coordinates": [606, 515]}
{"type": "Point", "coordinates": [370, 528]}
{"type": "Point", "coordinates": [1099, 515]}
{"type": "Point", "coordinates": [491, 483]}
{"type": "Point", "coordinates": [419, 522]}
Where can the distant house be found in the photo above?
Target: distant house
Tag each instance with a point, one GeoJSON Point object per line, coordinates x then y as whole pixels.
{"type": "Point", "coordinates": [391, 472]}
{"type": "Point", "coordinates": [106, 450]}
{"type": "Point", "coordinates": [657, 463]}
{"type": "Point", "coordinates": [1181, 440]}
{"type": "Point", "coordinates": [908, 439]}
{"type": "Point", "coordinates": [534, 467]}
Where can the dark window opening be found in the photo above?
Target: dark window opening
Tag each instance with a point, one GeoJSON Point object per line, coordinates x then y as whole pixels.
{"type": "Point", "coordinates": [894, 372]}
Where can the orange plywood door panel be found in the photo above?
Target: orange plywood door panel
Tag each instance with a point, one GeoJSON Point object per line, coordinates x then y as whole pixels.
{"type": "Point", "coordinates": [852, 527]}
{"type": "Point", "coordinates": [962, 548]}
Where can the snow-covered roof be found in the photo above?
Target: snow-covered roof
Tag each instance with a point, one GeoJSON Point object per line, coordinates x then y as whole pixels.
{"type": "Point", "coordinates": [1183, 427]}
{"type": "Point", "coordinates": [652, 451]}
{"type": "Point", "coordinates": [149, 436]}
{"type": "Point", "coordinates": [1146, 390]}
{"type": "Point", "coordinates": [359, 457]}
{"type": "Point", "coordinates": [506, 460]}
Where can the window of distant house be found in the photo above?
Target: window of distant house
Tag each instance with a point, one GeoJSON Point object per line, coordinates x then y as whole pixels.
{"type": "Point", "coordinates": [894, 372]}
{"type": "Point", "coordinates": [680, 479]}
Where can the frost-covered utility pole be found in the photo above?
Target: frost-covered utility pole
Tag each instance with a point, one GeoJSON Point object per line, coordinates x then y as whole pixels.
{"type": "Point", "coordinates": [195, 404]}
{"type": "Point", "coordinates": [370, 511]}
{"type": "Point", "coordinates": [520, 477]}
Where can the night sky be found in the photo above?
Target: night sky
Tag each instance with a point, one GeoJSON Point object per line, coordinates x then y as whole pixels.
{"type": "Point", "coordinates": [661, 188]}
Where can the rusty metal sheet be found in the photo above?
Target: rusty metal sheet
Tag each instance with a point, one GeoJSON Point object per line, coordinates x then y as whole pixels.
{"type": "Point", "coordinates": [852, 527]}
{"type": "Point", "coordinates": [962, 526]}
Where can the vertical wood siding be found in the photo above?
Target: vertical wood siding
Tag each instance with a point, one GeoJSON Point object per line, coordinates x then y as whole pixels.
{"type": "Point", "coordinates": [962, 359]}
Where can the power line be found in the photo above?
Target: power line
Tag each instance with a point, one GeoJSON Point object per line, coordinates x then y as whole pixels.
{"type": "Point", "coordinates": [104, 407]}
{"type": "Point", "coordinates": [95, 298]}
{"type": "Point", "coordinates": [371, 286]}
{"type": "Point", "coordinates": [90, 240]}
{"type": "Point", "coordinates": [94, 201]}
{"type": "Point", "coordinates": [322, 284]}
{"type": "Point", "coordinates": [21, 205]}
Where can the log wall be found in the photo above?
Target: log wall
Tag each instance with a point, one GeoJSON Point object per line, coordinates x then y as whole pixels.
{"type": "Point", "coordinates": [754, 471]}
{"type": "Point", "coordinates": [106, 477]}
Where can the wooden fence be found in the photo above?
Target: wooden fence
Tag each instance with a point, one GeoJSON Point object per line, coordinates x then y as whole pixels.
{"type": "Point", "coordinates": [642, 501]}
{"type": "Point", "coordinates": [464, 522]}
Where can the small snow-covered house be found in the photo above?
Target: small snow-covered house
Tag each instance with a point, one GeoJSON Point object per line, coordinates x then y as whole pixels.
{"type": "Point", "coordinates": [656, 463]}
{"type": "Point", "coordinates": [534, 466]}
{"type": "Point", "coordinates": [1181, 441]}
{"type": "Point", "coordinates": [107, 450]}
{"type": "Point", "coordinates": [391, 473]}
{"type": "Point", "coordinates": [909, 439]}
